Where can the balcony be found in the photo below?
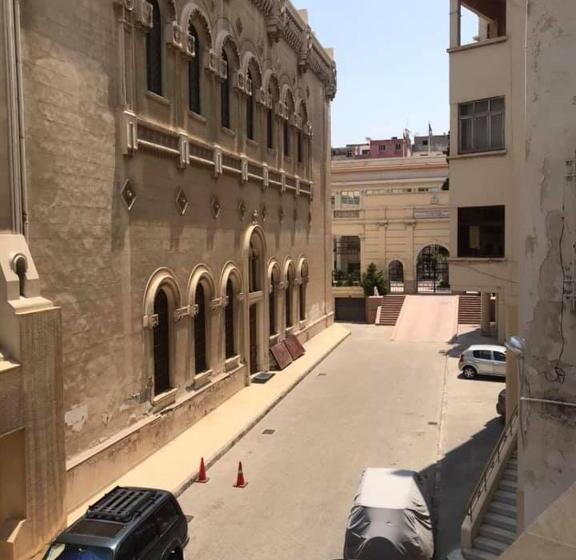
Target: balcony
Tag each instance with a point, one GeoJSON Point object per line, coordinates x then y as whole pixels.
{"type": "Point", "coordinates": [475, 23]}
{"type": "Point", "coordinates": [346, 214]}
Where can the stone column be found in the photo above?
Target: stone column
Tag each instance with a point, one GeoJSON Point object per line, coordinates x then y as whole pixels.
{"type": "Point", "coordinates": [410, 280]}
{"type": "Point", "coordinates": [485, 313]}
{"type": "Point", "coordinates": [454, 23]}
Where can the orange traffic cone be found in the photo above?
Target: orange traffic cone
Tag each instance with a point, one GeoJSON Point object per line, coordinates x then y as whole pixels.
{"type": "Point", "coordinates": [240, 482]}
{"type": "Point", "coordinates": [202, 478]}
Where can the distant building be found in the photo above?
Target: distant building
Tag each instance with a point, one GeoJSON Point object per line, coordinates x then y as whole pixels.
{"type": "Point", "coordinates": [435, 143]}
{"type": "Point", "coordinates": [376, 149]}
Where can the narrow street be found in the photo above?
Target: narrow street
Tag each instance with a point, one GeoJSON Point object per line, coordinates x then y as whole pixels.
{"type": "Point", "coordinates": [372, 402]}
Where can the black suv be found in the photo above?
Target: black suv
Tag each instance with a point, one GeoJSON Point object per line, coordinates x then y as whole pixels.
{"type": "Point", "coordinates": [126, 524]}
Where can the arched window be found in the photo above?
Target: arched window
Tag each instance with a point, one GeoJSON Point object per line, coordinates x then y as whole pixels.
{"type": "Point", "coordinates": [286, 135]}
{"type": "Point", "coordinates": [225, 94]}
{"type": "Point", "coordinates": [303, 287]}
{"type": "Point", "coordinates": [194, 74]}
{"type": "Point", "coordinates": [289, 297]}
{"type": "Point", "coordinates": [200, 328]}
{"type": "Point", "coordinates": [161, 343]}
{"type": "Point", "coordinates": [270, 120]}
{"type": "Point", "coordinates": [273, 300]}
{"type": "Point", "coordinates": [254, 267]}
{"type": "Point", "coordinates": [229, 320]}
{"type": "Point", "coordinates": [249, 109]}
{"type": "Point", "coordinates": [301, 140]}
{"type": "Point", "coordinates": [154, 51]}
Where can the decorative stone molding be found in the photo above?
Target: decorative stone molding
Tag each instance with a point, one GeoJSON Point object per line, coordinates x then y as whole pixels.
{"type": "Point", "coordinates": [184, 148]}
{"type": "Point", "coordinates": [181, 312]}
{"type": "Point", "coordinates": [128, 195]}
{"type": "Point", "coordinates": [212, 62]}
{"type": "Point", "coordinates": [215, 304]}
{"type": "Point", "coordinates": [194, 310]}
{"type": "Point", "coordinates": [217, 162]}
{"type": "Point", "coordinates": [150, 321]}
{"type": "Point", "coordinates": [216, 207]}
{"type": "Point", "coordinates": [129, 133]}
{"type": "Point", "coordinates": [283, 181]}
{"type": "Point", "coordinates": [173, 34]}
{"type": "Point", "coordinates": [244, 166]}
{"type": "Point", "coordinates": [182, 203]}
{"type": "Point", "coordinates": [189, 45]}
{"type": "Point", "coordinates": [240, 296]}
{"type": "Point", "coordinates": [225, 301]}
{"type": "Point", "coordinates": [254, 217]}
{"type": "Point", "coordinates": [265, 176]}
{"type": "Point", "coordinates": [144, 14]}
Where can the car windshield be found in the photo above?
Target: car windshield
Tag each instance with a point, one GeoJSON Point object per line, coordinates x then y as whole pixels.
{"type": "Point", "coordinates": [59, 551]}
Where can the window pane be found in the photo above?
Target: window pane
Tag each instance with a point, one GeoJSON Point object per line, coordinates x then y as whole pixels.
{"type": "Point", "coordinates": [481, 107]}
{"type": "Point", "coordinates": [466, 135]}
{"type": "Point", "coordinates": [497, 131]}
{"type": "Point", "coordinates": [499, 357]}
{"type": "Point", "coordinates": [481, 133]}
{"type": "Point", "coordinates": [497, 104]}
{"type": "Point", "coordinates": [465, 110]}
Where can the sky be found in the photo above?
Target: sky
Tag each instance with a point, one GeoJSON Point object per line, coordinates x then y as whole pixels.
{"type": "Point", "coordinates": [392, 65]}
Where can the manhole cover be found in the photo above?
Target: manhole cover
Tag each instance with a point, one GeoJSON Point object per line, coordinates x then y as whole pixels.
{"type": "Point", "coordinates": [268, 432]}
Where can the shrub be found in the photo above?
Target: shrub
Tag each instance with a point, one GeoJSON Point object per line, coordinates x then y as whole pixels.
{"type": "Point", "coordinates": [373, 278]}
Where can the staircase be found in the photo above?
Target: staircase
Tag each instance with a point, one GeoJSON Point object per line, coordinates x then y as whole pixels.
{"type": "Point", "coordinates": [388, 312]}
{"type": "Point", "coordinates": [469, 310]}
{"type": "Point", "coordinates": [490, 524]}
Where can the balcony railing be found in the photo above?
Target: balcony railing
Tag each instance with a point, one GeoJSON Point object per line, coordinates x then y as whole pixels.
{"type": "Point", "coordinates": [342, 278]}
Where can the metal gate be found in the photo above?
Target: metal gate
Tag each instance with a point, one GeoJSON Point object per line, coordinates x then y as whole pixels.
{"type": "Point", "coordinates": [396, 277]}
{"type": "Point", "coordinates": [432, 270]}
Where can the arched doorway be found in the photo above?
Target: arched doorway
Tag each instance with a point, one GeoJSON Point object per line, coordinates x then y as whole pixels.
{"type": "Point", "coordinates": [396, 277]}
{"type": "Point", "coordinates": [161, 343]}
{"type": "Point", "coordinates": [229, 320]}
{"type": "Point", "coordinates": [432, 270]}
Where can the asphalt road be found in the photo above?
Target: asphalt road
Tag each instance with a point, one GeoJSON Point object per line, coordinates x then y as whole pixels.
{"type": "Point", "coordinates": [372, 402]}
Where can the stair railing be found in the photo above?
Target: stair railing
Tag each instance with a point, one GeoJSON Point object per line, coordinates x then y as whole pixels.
{"type": "Point", "coordinates": [485, 487]}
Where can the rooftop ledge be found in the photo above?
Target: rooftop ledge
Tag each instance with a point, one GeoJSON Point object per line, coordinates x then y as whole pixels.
{"type": "Point", "coordinates": [478, 154]}
{"type": "Point", "coordinates": [477, 44]}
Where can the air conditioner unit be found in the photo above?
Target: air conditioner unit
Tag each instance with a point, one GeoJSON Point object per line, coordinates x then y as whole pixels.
{"type": "Point", "coordinates": [145, 14]}
{"type": "Point", "coordinates": [190, 45]}
{"type": "Point", "coordinates": [223, 69]}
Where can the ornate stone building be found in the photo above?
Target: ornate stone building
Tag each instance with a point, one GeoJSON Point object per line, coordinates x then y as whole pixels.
{"type": "Point", "coordinates": [165, 185]}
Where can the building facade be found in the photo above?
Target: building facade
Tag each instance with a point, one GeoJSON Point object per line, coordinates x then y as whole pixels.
{"type": "Point", "coordinates": [166, 189]}
{"type": "Point", "coordinates": [394, 213]}
{"type": "Point", "coordinates": [512, 176]}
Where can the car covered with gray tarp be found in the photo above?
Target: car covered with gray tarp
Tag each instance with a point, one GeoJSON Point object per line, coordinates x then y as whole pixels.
{"type": "Point", "coordinates": [390, 519]}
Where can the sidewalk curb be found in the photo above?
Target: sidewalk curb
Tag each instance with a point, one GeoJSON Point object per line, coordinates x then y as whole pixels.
{"type": "Point", "coordinates": [181, 488]}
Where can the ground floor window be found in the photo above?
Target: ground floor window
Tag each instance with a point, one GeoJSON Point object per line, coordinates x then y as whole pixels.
{"type": "Point", "coordinates": [200, 327]}
{"type": "Point", "coordinates": [481, 232]}
{"type": "Point", "coordinates": [229, 320]}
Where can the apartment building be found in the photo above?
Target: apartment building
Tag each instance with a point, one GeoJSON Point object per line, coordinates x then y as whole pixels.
{"type": "Point", "coordinates": [164, 219]}
{"type": "Point", "coordinates": [513, 205]}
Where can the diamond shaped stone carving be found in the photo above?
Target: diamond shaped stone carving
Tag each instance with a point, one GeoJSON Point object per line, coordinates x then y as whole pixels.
{"type": "Point", "coordinates": [242, 209]}
{"type": "Point", "coordinates": [182, 203]}
{"type": "Point", "coordinates": [128, 194]}
{"type": "Point", "coordinates": [264, 212]}
{"type": "Point", "coordinates": [216, 207]}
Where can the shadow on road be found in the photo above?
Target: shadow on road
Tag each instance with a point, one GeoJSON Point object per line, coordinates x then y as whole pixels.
{"type": "Point", "coordinates": [452, 482]}
{"type": "Point", "coordinates": [462, 341]}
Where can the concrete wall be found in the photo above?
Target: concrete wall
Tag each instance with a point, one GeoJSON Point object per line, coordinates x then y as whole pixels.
{"type": "Point", "coordinates": [546, 244]}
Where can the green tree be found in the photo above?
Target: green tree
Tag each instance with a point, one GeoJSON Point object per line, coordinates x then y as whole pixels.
{"type": "Point", "coordinates": [373, 278]}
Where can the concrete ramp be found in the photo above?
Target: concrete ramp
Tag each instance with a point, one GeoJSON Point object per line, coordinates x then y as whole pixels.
{"type": "Point", "coordinates": [427, 319]}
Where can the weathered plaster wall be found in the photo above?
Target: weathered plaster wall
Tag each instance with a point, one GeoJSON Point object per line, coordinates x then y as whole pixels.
{"type": "Point", "coordinates": [547, 246]}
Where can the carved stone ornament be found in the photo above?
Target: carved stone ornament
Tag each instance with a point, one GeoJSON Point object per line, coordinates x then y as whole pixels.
{"type": "Point", "coordinates": [215, 304]}
{"type": "Point", "coordinates": [182, 203]}
{"type": "Point", "coordinates": [216, 207]}
{"type": "Point", "coordinates": [144, 14]}
{"type": "Point", "coordinates": [263, 212]}
{"type": "Point", "coordinates": [254, 217]}
{"type": "Point", "coordinates": [128, 194]}
{"type": "Point", "coordinates": [181, 312]}
{"type": "Point", "coordinates": [174, 35]}
{"type": "Point", "coordinates": [194, 309]}
{"type": "Point", "coordinates": [281, 214]}
{"type": "Point", "coordinates": [150, 321]}
{"type": "Point", "coordinates": [128, 5]}
{"type": "Point", "coordinates": [225, 301]}
{"type": "Point", "coordinates": [242, 209]}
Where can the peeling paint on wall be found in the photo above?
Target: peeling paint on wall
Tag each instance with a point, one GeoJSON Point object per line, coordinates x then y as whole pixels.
{"type": "Point", "coordinates": [76, 417]}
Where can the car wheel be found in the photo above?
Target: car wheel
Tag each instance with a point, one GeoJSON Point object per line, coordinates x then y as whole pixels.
{"type": "Point", "coordinates": [469, 372]}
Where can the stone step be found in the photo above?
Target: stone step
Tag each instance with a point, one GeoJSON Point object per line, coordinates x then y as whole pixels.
{"type": "Point", "coordinates": [489, 545]}
{"type": "Point", "coordinates": [502, 521]}
{"type": "Point", "coordinates": [497, 533]}
{"type": "Point", "coordinates": [505, 496]}
{"type": "Point", "coordinates": [475, 554]}
{"type": "Point", "coordinates": [501, 508]}
{"type": "Point", "coordinates": [510, 474]}
{"type": "Point", "coordinates": [508, 485]}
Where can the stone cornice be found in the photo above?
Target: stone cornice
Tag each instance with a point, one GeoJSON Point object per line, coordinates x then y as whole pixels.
{"type": "Point", "coordinates": [284, 21]}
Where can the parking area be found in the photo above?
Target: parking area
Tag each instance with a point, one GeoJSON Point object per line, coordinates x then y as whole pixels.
{"type": "Point", "coordinates": [372, 402]}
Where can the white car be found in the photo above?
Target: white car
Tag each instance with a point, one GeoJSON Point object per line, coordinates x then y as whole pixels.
{"type": "Point", "coordinates": [483, 359]}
